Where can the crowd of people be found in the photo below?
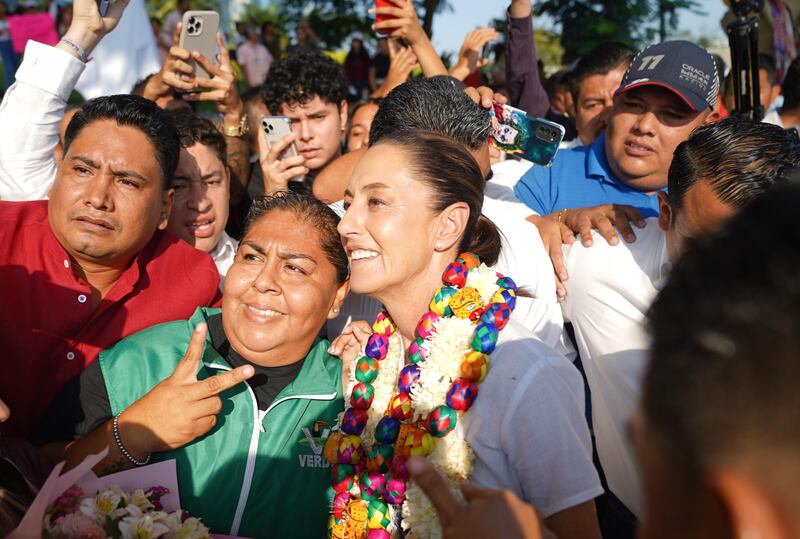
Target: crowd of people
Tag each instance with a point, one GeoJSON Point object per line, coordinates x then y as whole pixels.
{"type": "Point", "coordinates": [280, 316]}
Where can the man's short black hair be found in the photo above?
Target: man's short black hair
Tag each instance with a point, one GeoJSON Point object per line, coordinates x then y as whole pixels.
{"type": "Point", "coordinates": [791, 86]}
{"type": "Point", "coordinates": [300, 77]}
{"type": "Point", "coordinates": [603, 58]}
{"type": "Point", "coordinates": [194, 129]}
{"type": "Point", "coordinates": [740, 160]}
{"type": "Point", "coordinates": [722, 383]}
{"type": "Point", "coordinates": [767, 63]}
{"type": "Point", "coordinates": [137, 112]}
{"type": "Point", "coordinates": [435, 104]}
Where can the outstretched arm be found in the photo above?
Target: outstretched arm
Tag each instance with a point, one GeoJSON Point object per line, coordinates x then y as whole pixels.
{"type": "Point", "coordinates": [33, 107]}
{"type": "Point", "coordinates": [525, 89]}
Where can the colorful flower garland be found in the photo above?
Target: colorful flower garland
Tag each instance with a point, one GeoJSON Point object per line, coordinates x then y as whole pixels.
{"type": "Point", "coordinates": [400, 411]}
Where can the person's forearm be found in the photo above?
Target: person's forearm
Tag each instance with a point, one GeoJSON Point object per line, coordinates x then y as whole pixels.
{"type": "Point", "coordinates": [460, 71]}
{"type": "Point", "coordinates": [30, 117]}
{"type": "Point", "coordinates": [97, 440]}
{"type": "Point", "coordinates": [82, 36]}
{"type": "Point", "coordinates": [520, 8]}
{"type": "Point", "coordinates": [525, 89]}
{"type": "Point", "coordinates": [237, 148]}
{"type": "Point", "coordinates": [428, 59]}
{"type": "Point", "coordinates": [238, 156]}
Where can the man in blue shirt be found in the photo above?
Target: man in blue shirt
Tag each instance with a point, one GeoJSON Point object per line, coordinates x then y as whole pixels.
{"type": "Point", "coordinates": [670, 89]}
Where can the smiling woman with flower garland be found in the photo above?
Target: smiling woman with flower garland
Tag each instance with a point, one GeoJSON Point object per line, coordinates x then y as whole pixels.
{"type": "Point", "coordinates": [446, 373]}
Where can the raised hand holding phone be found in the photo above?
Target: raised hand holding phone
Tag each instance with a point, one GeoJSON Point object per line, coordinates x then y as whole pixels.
{"type": "Point", "coordinates": [199, 33]}
{"type": "Point", "coordinates": [534, 139]}
{"type": "Point", "coordinates": [88, 26]}
{"type": "Point", "coordinates": [280, 163]}
{"type": "Point", "coordinates": [181, 408]}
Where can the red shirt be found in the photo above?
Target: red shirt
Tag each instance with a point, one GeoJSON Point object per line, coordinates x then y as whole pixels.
{"type": "Point", "coordinates": [47, 328]}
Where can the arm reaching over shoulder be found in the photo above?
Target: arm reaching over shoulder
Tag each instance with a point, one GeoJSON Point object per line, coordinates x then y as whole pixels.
{"type": "Point", "coordinates": [525, 88]}
{"type": "Point", "coordinates": [560, 228]}
{"type": "Point", "coordinates": [33, 107]}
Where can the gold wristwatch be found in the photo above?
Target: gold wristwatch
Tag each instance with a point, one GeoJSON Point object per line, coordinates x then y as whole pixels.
{"type": "Point", "coordinates": [237, 131]}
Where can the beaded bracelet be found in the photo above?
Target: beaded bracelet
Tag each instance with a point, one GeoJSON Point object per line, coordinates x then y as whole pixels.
{"type": "Point", "coordinates": [78, 49]}
{"type": "Point", "coordinates": [122, 448]}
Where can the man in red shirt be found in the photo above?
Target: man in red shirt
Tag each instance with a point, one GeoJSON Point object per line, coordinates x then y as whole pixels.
{"type": "Point", "coordinates": [92, 264]}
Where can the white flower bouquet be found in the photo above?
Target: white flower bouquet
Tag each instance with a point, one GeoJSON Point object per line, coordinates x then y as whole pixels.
{"type": "Point", "coordinates": [141, 503]}
{"type": "Point", "coordinates": [115, 513]}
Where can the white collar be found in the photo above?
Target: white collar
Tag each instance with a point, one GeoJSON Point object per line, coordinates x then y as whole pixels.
{"type": "Point", "coordinates": [226, 246]}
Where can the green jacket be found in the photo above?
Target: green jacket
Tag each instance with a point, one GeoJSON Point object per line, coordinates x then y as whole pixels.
{"type": "Point", "coordinates": [251, 476]}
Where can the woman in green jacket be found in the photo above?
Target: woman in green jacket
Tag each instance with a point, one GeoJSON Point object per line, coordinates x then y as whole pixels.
{"type": "Point", "coordinates": [243, 397]}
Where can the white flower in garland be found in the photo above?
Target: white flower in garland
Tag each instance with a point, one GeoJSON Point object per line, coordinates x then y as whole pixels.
{"type": "Point", "coordinates": [419, 515]}
{"type": "Point", "coordinates": [484, 279]}
{"type": "Point", "coordinates": [448, 345]}
{"type": "Point", "coordinates": [453, 456]}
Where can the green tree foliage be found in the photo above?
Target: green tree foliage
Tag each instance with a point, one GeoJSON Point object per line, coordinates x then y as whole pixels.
{"type": "Point", "coordinates": [584, 23]}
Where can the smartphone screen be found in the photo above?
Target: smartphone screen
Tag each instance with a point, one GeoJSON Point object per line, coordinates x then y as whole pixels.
{"type": "Point", "coordinates": [513, 132]}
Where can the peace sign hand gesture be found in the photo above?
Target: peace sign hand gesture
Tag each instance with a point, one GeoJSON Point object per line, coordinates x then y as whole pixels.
{"type": "Point", "coordinates": [180, 408]}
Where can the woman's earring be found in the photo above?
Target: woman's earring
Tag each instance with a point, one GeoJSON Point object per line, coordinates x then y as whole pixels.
{"type": "Point", "coordinates": [336, 309]}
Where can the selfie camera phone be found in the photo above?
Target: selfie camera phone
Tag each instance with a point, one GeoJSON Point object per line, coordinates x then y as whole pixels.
{"type": "Point", "coordinates": [199, 33]}
{"type": "Point", "coordinates": [513, 132]}
{"type": "Point", "coordinates": [275, 128]}
{"type": "Point", "coordinates": [381, 18]}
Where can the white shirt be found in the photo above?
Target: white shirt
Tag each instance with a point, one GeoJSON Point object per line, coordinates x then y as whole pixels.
{"type": "Point", "coordinates": [30, 116]}
{"type": "Point", "coordinates": [772, 117]}
{"type": "Point", "coordinates": [505, 176]}
{"type": "Point", "coordinates": [609, 291]}
{"type": "Point", "coordinates": [570, 144]}
{"type": "Point", "coordinates": [524, 259]}
{"type": "Point", "coordinates": [223, 255]}
{"type": "Point", "coordinates": [527, 427]}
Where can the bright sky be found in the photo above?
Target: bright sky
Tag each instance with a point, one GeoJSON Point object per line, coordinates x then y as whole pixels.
{"type": "Point", "coordinates": [450, 27]}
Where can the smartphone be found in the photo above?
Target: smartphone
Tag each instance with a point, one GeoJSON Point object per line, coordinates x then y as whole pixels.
{"type": "Point", "coordinates": [381, 18]}
{"type": "Point", "coordinates": [199, 33]}
{"type": "Point", "coordinates": [102, 6]}
{"type": "Point", "coordinates": [275, 128]}
{"type": "Point", "coordinates": [534, 139]}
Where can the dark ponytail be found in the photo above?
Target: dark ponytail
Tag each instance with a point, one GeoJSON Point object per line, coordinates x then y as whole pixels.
{"type": "Point", "coordinates": [454, 176]}
{"type": "Point", "coordinates": [485, 241]}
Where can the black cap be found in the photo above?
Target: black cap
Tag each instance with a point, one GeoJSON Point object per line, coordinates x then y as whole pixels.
{"type": "Point", "coordinates": [686, 69]}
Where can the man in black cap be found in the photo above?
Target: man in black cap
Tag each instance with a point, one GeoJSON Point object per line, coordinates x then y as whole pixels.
{"type": "Point", "coordinates": [669, 90]}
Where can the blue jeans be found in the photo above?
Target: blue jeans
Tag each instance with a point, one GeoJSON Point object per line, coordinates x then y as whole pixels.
{"type": "Point", "coordinates": [10, 62]}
